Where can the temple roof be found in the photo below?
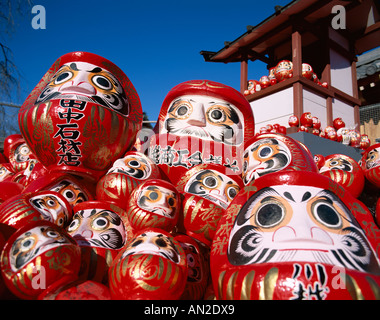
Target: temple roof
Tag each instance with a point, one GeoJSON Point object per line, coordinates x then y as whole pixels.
{"type": "Point", "coordinates": [309, 17]}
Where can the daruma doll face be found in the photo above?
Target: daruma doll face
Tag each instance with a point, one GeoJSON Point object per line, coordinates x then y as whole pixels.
{"type": "Point", "coordinates": [82, 116]}
{"type": "Point", "coordinates": [290, 223]}
{"type": "Point", "coordinates": [39, 249]}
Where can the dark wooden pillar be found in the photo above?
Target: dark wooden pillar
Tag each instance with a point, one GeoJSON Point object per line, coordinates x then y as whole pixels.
{"type": "Point", "coordinates": [297, 53]}
{"type": "Point", "coordinates": [297, 71]}
{"type": "Point", "coordinates": [243, 76]}
{"type": "Point", "coordinates": [326, 77]}
{"type": "Point", "coordinates": [329, 111]}
{"type": "Point", "coordinates": [355, 94]}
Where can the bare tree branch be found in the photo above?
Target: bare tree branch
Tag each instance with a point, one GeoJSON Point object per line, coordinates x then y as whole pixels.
{"type": "Point", "coordinates": [9, 74]}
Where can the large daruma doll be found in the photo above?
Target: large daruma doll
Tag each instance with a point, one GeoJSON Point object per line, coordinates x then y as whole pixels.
{"type": "Point", "coordinates": [82, 116]}
{"type": "Point", "coordinates": [345, 171]}
{"type": "Point", "coordinates": [201, 121]}
{"type": "Point", "coordinates": [296, 235]}
{"type": "Point", "coordinates": [152, 266]}
{"type": "Point", "coordinates": [207, 192]}
{"type": "Point", "coordinates": [37, 256]}
{"type": "Point", "coordinates": [370, 163]}
{"type": "Point", "coordinates": [271, 152]}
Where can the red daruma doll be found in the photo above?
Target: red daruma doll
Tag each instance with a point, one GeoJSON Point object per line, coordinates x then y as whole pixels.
{"type": "Point", "coordinates": [198, 266]}
{"type": "Point", "coordinates": [101, 230]}
{"type": "Point", "coordinates": [370, 164]}
{"type": "Point", "coordinates": [284, 70]}
{"type": "Point", "coordinates": [124, 176]}
{"type": "Point", "coordinates": [152, 266]}
{"type": "Point", "coordinates": [17, 152]}
{"type": "Point", "coordinates": [25, 208]}
{"type": "Point", "coordinates": [345, 171]}
{"type": "Point", "coordinates": [155, 203]}
{"type": "Point", "coordinates": [201, 121]}
{"type": "Point", "coordinates": [38, 256]}
{"type": "Point", "coordinates": [296, 235]}
{"type": "Point", "coordinates": [207, 192]}
{"type": "Point", "coordinates": [82, 116]}
{"type": "Point", "coordinates": [270, 152]}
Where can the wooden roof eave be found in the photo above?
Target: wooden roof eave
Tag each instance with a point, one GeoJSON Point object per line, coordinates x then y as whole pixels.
{"type": "Point", "coordinates": [257, 41]}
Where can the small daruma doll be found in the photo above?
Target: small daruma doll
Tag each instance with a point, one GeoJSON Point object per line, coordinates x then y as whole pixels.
{"type": "Point", "coordinates": [306, 119]}
{"type": "Point", "coordinates": [198, 267]}
{"type": "Point", "coordinates": [253, 86]}
{"type": "Point", "coordinates": [82, 116]}
{"type": "Point", "coordinates": [207, 192]}
{"type": "Point", "coordinates": [296, 235]}
{"type": "Point", "coordinates": [6, 172]}
{"type": "Point", "coordinates": [345, 171]}
{"type": "Point", "coordinates": [264, 82]}
{"type": "Point", "coordinates": [18, 153]}
{"type": "Point", "coordinates": [24, 208]}
{"type": "Point", "coordinates": [154, 203]}
{"type": "Point", "coordinates": [201, 121]}
{"type": "Point", "coordinates": [152, 266]}
{"type": "Point", "coordinates": [307, 70]}
{"type": "Point", "coordinates": [101, 230]}
{"type": "Point", "coordinates": [73, 188]}
{"type": "Point", "coordinates": [38, 256]}
{"type": "Point", "coordinates": [284, 70]}
{"type": "Point", "coordinates": [370, 163]}
{"type": "Point", "coordinates": [319, 160]}
{"type": "Point", "coordinates": [124, 176]}
{"type": "Point", "coordinates": [270, 152]}
{"type": "Point", "coordinates": [293, 121]}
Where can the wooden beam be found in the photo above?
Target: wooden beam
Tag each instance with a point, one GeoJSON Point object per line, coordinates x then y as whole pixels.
{"type": "Point", "coordinates": [329, 111]}
{"type": "Point", "coordinates": [326, 72]}
{"type": "Point", "coordinates": [355, 91]}
{"type": "Point", "coordinates": [296, 53]}
{"type": "Point", "coordinates": [258, 56]}
{"type": "Point", "coordinates": [357, 117]}
{"type": "Point", "coordinates": [297, 99]}
{"type": "Point", "coordinates": [243, 76]}
{"type": "Point", "coordinates": [297, 71]}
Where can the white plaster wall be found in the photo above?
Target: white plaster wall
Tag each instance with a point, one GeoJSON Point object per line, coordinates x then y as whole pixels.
{"type": "Point", "coordinates": [275, 108]}
{"type": "Point", "coordinates": [344, 111]}
{"type": "Point", "coordinates": [316, 105]}
{"type": "Point", "coordinates": [341, 76]}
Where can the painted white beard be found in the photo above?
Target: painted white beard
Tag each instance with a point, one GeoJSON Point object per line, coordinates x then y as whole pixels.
{"type": "Point", "coordinates": [300, 239]}
{"type": "Point", "coordinates": [210, 132]}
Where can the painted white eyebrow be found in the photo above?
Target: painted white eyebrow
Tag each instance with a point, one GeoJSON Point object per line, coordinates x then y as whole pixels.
{"type": "Point", "coordinates": [221, 103]}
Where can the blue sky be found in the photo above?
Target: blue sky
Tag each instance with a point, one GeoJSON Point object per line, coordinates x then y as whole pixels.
{"type": "Point", "coordinates": [156, 43]}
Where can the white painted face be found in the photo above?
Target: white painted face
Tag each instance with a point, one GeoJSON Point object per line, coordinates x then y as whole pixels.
{"type": "Point", "coordinates": [205, 117]}
{"type": "Point", "coordinates": [30, 167]}
{"type": "Point", "coordinates": [336, 163]}
{"type": "Point", "coordinates": [4, 172]}
{"type": "Point", "coordinates": [158, 200]}
{"type": "Point", "coordinates": [51, 208]}
{"type": "Point", "coordinates": [264, 156]}
{"type": "Point", "coordinates": [295, 223]}
{"type": "Point", "coordinates": [214, 186]}
{"type": "Point", "coordinates": [33, 243]}
{"type": "Point", "coordinates": [373, 159]}
{"type": "Point", "coordinates": [98, 228]}
{"type": "Point", "coordinates": [71, 191]}
{"type": "Point", "coordinates": [22, 153]}
{"type": "Point", "coordinates": [345, 133]}
{"type": "Point", "coordinates": [86, 81]}
{"type": "Point", "coordinates": [153, 243]}
{"type": "Point", "coordinates": [134, 166]}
